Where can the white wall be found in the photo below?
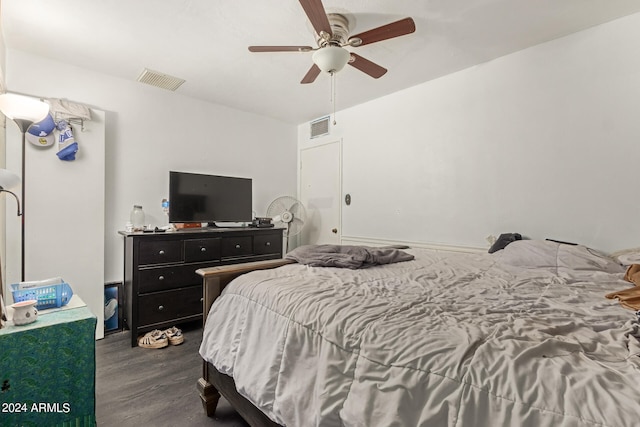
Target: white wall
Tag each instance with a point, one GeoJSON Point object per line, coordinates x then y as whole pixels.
{"type": "Point", "coordinates": [150, 131]}
{"type": "Point", "coordinates": [543, 142]}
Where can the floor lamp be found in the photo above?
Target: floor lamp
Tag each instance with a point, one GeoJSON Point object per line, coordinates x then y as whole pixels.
{"type": "Point", "coordinates": [23, 111]}
{"type": "Point", "coordinates": [7, 180]}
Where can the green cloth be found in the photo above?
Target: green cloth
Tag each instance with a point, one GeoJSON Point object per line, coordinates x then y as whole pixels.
{"type": "Point", "coordinates": [47, 370]}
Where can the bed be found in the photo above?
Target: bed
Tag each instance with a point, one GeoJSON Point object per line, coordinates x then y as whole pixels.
{"type": "Point", "coordinates": [520, 337]}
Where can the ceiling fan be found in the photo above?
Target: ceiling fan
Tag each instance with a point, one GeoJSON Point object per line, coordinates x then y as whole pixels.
{"type": "Point", "coordinates": [333, 35]}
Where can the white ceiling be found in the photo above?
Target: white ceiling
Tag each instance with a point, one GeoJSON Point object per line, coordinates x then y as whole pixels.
{"type": "Point", "coordinates": [205, 42]}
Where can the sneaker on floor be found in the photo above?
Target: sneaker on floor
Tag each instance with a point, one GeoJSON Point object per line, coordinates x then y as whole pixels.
{"type": "Point", "coordinates": [153, 339]}
{"type": "Point", "coordinates": [174, 335]}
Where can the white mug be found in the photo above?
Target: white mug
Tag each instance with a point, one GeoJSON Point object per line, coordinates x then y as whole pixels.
{"type": "Point", "coordinates": [24, 312]}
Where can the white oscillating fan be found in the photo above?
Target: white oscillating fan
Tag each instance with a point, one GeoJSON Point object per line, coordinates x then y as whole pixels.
{"type": "Point", "coordinates": [290, 212]}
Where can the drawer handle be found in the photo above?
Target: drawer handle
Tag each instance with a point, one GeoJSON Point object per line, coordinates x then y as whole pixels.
{"type": "Point", "coordinates": [237, 246]}
{"type": "Point", "coordinates": [160, 307]}
{"type": "Point", "coordinates": [161, 278]}
{"type": "Point", "coordinates": [268, 244]}
{"type": "Point", "coordinates": [203, 249]}
{"type": "Point", "coordinates": [161, 252]}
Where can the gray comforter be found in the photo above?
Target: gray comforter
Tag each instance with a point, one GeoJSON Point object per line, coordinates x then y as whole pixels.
{"type": "Point", "coordinates": [344, 256]}
{"type": "Point", "coordinates": [523, 337]}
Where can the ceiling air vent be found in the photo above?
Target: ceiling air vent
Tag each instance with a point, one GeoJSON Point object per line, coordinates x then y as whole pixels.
{"type": "Point", "coordinates": [160, 80]}
{"type": "Point", "coordinates": [320, 127]}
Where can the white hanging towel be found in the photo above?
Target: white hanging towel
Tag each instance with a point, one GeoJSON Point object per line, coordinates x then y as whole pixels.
{"type": "Point", "coordinates": [64, 109]}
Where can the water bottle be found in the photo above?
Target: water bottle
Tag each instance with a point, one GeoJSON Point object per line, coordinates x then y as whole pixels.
{"type": "Point", "coordinates": [137, 218]}
{"type": "Point", "coordinates": [165, 209]}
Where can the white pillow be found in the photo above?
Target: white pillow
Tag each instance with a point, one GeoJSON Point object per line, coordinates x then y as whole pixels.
{"type": "Point", "coordinates": [546, 254]}
{"type": "Point", "coordinates": [530, 254]}
{"type": "Point", "coordinates": [627, 256]}
{"type": "Point", "coordinates": [586, 259]}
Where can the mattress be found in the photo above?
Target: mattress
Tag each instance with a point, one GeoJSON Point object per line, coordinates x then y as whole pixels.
{"type": "Point", "coordinates": [521, 337]}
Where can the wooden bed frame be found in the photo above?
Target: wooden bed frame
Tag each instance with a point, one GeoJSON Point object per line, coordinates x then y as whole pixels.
{"type": "Point", "coordinates": [214, 384]}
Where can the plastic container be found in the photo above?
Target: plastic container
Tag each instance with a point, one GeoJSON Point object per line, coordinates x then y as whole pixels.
{"type": "Point", "coordinates": [137, 217]}
{"type": "Point", "coordinates": [50, 295]}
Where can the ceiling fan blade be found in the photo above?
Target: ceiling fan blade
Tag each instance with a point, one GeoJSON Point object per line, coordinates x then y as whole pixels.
{"type": "Point", "coordinates": [317, 16]}
{"type": "Point", "coordinates": [311, 75]}
{"type": "Point", "coordinates": [280, 48]}
{"type": "Point", "coordinates": [389, 31]}
{"type": "Point", "coordinates": [366, 66]}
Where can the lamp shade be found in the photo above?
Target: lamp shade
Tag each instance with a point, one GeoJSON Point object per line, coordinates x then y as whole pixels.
{"type": "Point", "coordinates": [8, 179]}
{"type": "Point", "coordinates": [22, 107]}
{"type": "Point", "coordinates": [331, 59]}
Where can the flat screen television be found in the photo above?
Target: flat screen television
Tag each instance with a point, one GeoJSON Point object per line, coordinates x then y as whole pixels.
{"type": "Point", "coordinates": [195, 197]}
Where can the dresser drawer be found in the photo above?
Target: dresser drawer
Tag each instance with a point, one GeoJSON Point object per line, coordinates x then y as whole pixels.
{"type": "Point", "coordinates": [202, 250]}
{"type": "Point", "coordinates": [267, 244]}
{"type": "Point", "coordinates": [165, 278]}
{"type": "Point", "coordinates": [236, 246]}
{"type": "Point", "coordinates": [169, 305]}
{"type": "Point", "coordinates": [160, 251]}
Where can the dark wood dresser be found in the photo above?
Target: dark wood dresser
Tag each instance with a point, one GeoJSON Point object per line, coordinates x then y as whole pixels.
{"type": "Point", "coordinates": [161, 288]}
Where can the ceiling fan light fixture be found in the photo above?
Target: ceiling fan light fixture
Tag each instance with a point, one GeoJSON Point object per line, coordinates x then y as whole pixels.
{"type": "Point", "coordinates": [331, 59]}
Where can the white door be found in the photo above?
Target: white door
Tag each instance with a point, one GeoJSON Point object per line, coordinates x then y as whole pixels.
{"type": "Point", "coordinates": [320, 190]}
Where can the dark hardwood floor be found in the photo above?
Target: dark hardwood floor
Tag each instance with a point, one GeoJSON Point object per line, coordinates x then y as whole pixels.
{"type": "Point", "coordinates": [139, 386]}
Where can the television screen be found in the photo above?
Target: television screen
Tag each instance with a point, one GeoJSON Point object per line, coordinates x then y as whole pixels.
{"type": "Point", "coordinates": [197, 197]}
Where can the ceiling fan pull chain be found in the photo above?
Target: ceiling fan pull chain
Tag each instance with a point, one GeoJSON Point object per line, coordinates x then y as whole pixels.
{"type": "Point", "coordinates": [333, 96]}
